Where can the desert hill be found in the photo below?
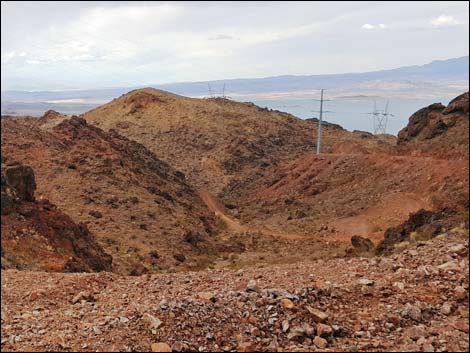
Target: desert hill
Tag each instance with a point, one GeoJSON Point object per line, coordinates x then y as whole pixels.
{"type": "Point", "coordinates": [438, 130]}
{"type": "Point", "coordinates": [142, 211]}
{"type": "Point", "coordinates": [216, 140]}
{"type": "Point", "coordinates": [338, 195]}
{"type": "Point", "coordinates": [295, 214]}
{"type": "Point", "coordinates": [38, 236]}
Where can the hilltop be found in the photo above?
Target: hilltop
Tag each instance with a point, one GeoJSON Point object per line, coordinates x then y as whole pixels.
{"type": "Point", "coordinates": [216, 140]}
{"type": "Point", "coordinates": [438, 130]}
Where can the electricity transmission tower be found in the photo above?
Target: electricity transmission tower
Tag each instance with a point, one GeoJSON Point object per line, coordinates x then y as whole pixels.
{"type": "Point", "coordinates": [210, 90]}
{"type": "Point", "coordinates": [380, 119]}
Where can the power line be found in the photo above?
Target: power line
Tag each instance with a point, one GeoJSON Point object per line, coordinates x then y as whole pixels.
{"type": "Point", "coordinates": [380, 119]}
{"type": "Point", "coordinates": [319, 124]}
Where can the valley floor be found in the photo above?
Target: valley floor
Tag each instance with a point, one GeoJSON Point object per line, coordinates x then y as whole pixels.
{"type": "Point", "coordinates": [415, 300]}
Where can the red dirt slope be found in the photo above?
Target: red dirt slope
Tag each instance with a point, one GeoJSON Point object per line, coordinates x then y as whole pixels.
{"type": "Point", "coordinates": [37, 236]}
{"type": "Point", "coordinates": [141, 210]}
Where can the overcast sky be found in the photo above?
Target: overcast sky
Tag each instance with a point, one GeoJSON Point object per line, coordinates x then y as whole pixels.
{"type": "Point", "coordinates": [69, 45]}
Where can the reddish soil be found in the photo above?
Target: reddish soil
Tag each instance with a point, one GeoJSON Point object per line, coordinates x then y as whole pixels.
{"type": "Point", "coordinates": [141, 210]}
{"type": "Point", "coordinates": [270, 229]}
{"type": "Point", "coordinates": [416, 300]}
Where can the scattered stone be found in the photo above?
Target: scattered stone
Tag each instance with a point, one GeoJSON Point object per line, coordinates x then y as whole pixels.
{"type": "Point", "coordinates": [446, 309]}
{"type": "Point", "coordinates": [320, 342]}
{"type": "Point", "coordinates": [252, 286]}
{"type": "Point", "coordinates": [246, 347]}
{"type": "Point", "coordinates": [324, 330]}
{"type": "Point", "coordinates": [296, 332]}
{"type": "Point", "coordinates": [449, 266]}
{"type": "Point", "coordinates": [96, 214]}
{"type": "Point", "coordinates": [399, 285]}
{"type": "Point", "coordinates": [461, 325]}
{"type": "Point", "coordinates": [86, 296]}
{"type": "Point", "coordinates": [416, 332]}
{"type": "Point", "coordinates": [179, 347]}
{"type": "Point", "coordinates": [413, 312]}
{"type": "Point", "coordinates": [428, 347]}
{"type": "Point", "coordinates": [208, 296]}
{"type": "Point", "coordinates": [180, 257]}
{"type": "Point", "coordinates": [154, 322]}
{"type": "Point", "coordinates": [362, 244]}
{"type": "Point", "coordinates": [366, 282]}
{"type": "Point", "coordinates": [318, 315]}
{"type": "Point", "coordinates": [160, 347]}
{"type": "Point", "coordinates": [287, 303]}
{"type": "Point", "coordinates": [35, 295]}
{"type": "Point", "coordinates": [123, 319]}
{"type": "Point", "coordinates": [285, 325]}
{"type": "Point", "coordinates": [460, 293]}
{"type": "Point", "coordinates": [458, 248]}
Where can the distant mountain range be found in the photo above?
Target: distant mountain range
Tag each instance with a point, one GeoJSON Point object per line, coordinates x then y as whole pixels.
{"type": "Point", "coordinates": [440, 78]}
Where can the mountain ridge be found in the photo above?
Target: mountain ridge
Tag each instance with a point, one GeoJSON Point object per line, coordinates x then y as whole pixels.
{"type": "Point", "coordinates": [201, 87]}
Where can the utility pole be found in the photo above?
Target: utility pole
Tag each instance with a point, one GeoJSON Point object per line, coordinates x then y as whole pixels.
{"type": "Point", "coordinates": [320, 123]}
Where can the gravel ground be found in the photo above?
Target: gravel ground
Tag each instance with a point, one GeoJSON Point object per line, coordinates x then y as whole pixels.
{"type": "Point", "coordinates": [414, 300]}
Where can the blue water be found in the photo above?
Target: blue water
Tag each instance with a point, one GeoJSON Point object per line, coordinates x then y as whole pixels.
{"type": "Point", "coordinates": [351, 114]}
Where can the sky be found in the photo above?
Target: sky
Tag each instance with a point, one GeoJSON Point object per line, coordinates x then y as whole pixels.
{"type": "Point", "coordinates": [86, 45]}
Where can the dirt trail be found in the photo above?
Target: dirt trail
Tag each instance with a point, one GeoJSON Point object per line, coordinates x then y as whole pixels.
{"type": "Point", "coordinates": [219, 210]}
{"type": "Point", "coordinates": [391, 210]}
{"type": "Point", "coordinates": [233, 224]}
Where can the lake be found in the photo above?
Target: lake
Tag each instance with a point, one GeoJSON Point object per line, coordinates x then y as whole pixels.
{"type": "Point", "coordinates": [349, 113]}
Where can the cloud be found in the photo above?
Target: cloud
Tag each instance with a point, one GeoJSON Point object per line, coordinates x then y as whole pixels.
{"type": "Point", "coordinates": [369, 26]}
{"type": "Point", "coordinates": [8, 56]}
{"type": "Point", "coordinates": [90, 44]}
{"type": "Point", "coordinates": [222, 37]}
{"type": "Point", "coordinates": [33, 62]}
{"type": "Point", "coordinates": [444, 21]}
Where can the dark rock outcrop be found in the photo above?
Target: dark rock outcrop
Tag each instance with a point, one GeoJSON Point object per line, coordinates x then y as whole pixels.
{"type": "Point", "coordinates": [458, 104]}
{"type": "Point", "coordinates": [37, 236]}
{"type": "Point", "coordinates": [420, 122]}
{"type": "Point", "coordinates": [438, 130]}
{"type": "Point", "coordinates": [362, 244]}
{"type": "Point", "coordinates": [427, 223]}
{"type": "Point", "coordinates": [21, 179]}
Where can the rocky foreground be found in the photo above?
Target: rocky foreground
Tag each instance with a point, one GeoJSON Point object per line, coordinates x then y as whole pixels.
{"type": "Point", "coordinates": [416, 299]}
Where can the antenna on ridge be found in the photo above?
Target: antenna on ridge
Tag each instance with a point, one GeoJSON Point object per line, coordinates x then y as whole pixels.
{"type": "Point", "coordinates": [223, 91]}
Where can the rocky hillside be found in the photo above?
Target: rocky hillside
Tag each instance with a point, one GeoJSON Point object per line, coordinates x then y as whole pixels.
{"type": "Point", "coordinates": [340, 195]}
{"type": "Point", "coordinates": [438, 130]}
{"type": "Point", "coordinates": [215, 140]}
{"type": "Point", "coordinates": [141, 210]}
{"type": "Point", "coordinates": [414, 300]}
{"type": "Point", "coordinates": [38, 236]}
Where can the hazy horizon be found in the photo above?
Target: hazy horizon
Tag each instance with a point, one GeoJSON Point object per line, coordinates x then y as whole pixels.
{"type": "Point", "coordinates": [237, 78]}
